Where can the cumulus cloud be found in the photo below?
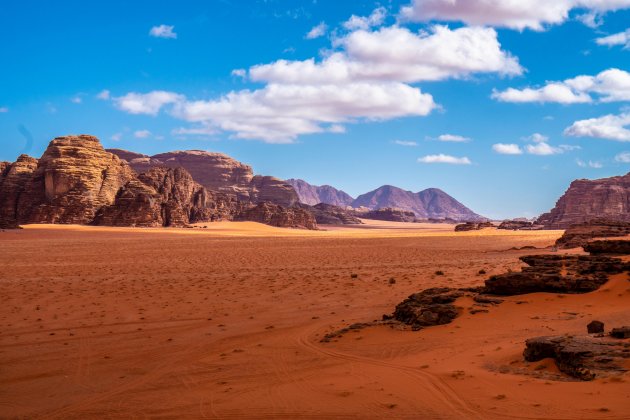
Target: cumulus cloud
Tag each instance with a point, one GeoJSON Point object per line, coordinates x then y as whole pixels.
{"type": "Point", "coordinates": [453, 138]}
{"type": "Point", "coordinates": [103, 95]}
{"type": "Point", "coordinates": [395, 53]}
{"type": "Point", "coordinates": [442, 158]}
{"type": "Point", "coordinates": [376, 18]}
{"type": "Point", "coordinates": [623, 157]}
{"type": "Point", "coordinates": [609, 127]}
{"type": "Point", "coordinates": [507, 149]}
{"type": "Point", "coordinates": [317, 31]}
{"type": "Point", "coordinates": [610, 85]}
{"type": "Point", "coordinates": [537, 138]}
{"type": "Point", "coordinates": [163, 31]}
{"type": "Point", "coordinates": [239, 73]}
{"type": "Point", "coordinates": [514, 14]}
{"type": "Point", "coordinates": [142, 134]}
{"type": "Point", "coordinates": [146, 103]}
{"type": "Point", "coordinates": [621, 38]}
{"type": "Point", "coordinates": [543, 149]}
{"type": "Point", "coordinates": [406, 143]}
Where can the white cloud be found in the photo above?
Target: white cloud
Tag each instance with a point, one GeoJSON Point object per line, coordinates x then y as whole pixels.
{"type": "Point", "coordinates": [621, 38]}
{"type": "Point", "coordinates": [453, 138]}
{"type": "Point", "coordinates": [608, 86]}
{"type": "Point", "coordinates": [163, 31]}
{"type": "Point", "coordinates": [146, 103]}
{"type": "Point", "coordinates": [537, 138]}
{"type": "Point", "coordinates": [442, 158]}
{"type": "Point", "coordinates": [589, 164]}
{"type": "Point", "coordinates": [514, 14]}
{"type": "Point", "coordinates": [239, 73]}
{"type": "Point", "coordinates": [116, 136]}
{"type": "Point", "coordinates": [142, 134]}
{"type": "Point", "coordinates": [76, 99]}
{"type": "Point", "coordinates": [543, 149]}
{"type": "Point", "coordinates": [610, 127]}
{"type": "Point", "coordinates": [398, 54]}
{"type": "Point", "coordinates": [406, 143]}
{"type": "Point", "coordinates": [623, 157]}
{"type": "Point", "coordinates": [103, 95]}
{"type": "Point", "coordinates": [507, 149]}
{"type": "Point", "coordinates": [317, 31]}
{"type": "Point", "coordinates": [376, 18]}
{"type": "Point", "coordinates": [3, 109]}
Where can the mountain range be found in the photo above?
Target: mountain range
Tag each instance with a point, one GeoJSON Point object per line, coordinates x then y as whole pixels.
{"type": "Point", "coordinates": [431, 203]}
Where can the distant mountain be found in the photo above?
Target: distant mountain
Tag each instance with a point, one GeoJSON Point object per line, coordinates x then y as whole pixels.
{"type": "Point", "coordinates": [431, 203]}
{"type": "Point", "coordinates": [313, 194]}
{"type": "Point", "coordinates": [585, 200]}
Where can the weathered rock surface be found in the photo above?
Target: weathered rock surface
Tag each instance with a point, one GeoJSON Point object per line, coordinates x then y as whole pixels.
{"type": "Point", "coordinates": [556, 274]}
{"type": "Point", "coordinates": [387, 214]}
{"type": "Point", "coordinates": [166, 197]}
{"type": "Point", "coordinates": [14, 179]}
{"type": "Point", "coordinates": [276, 215]}
{"type": "Point", "coordinates": [580, 234]}
{"type": "Point", "coordinates": [584, 358]}
{"type": "Point", "coordinates": [429, 307]}
{"type": "Point", "coordinates": [315, 194]}
{"type": "Point", "coordinates": [430, 203]}
{"type": "Point", "coordinates": [595, 327]}
{"type": "Point", "coordinates": [620, 332]}
{"type": "Point", "coordinates": [468, 226]}
{"type": "Point", "coordinates": [607, 198]}
{"type": "Point", "coordinates": [327, 214]}
{"type": "Point", "coordinates": [611, 247]}
{"type": "Point", "coordinates": [74, 178]}
{"type": "Point", "coordinates": [217, 172]}
{"type": "Point", "coordinates": [519, 225]}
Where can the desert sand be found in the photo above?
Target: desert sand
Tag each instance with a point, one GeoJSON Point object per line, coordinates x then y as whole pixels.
{"type": "Point", "coordinates": [226, 322]}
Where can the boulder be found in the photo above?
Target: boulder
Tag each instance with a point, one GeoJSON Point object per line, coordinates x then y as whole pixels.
{"type": "Point", "coordinates": [584, 358]}
{"type": "Point", "coordinates": [621, 332]}
{"type": "Point", "coordinates": [595, 327]}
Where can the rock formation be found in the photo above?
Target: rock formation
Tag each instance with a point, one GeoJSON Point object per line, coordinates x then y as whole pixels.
{"type": "Point", "coordinates": [430, 203]}
{"type": "Point", "coordinates": [584, 358]}
{"type": "Point", "coordinates": [430, 307]}
{"type": "Point", "coordinates": [217, 172]}
{"type": "Point", "coordinates": [327, 214]}
{"type": "Point", "coordinates": [468, 226]}
{"type": "Point", "coordinates": [607, 198]}
{"type": "Point", "coordinates": [276, 215]}
{"type": "Point", "coordinates": [314, 194]}
{"type": "Point", "coordinates": [519, 225]}
{"type": "Point", "coordinates": [388, 214]}
{"type": "Point", "coordinates": [14, 179]}
{"type": "Point", "coordinates": [610, 247]}
{"type": "Point", "coordinates": [580, 234]}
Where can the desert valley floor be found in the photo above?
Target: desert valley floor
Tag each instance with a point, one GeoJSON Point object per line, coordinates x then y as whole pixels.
{"type": "Point", "coordinates": [226, 322]}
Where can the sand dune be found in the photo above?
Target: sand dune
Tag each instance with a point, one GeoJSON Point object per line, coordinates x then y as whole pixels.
{"type": "Point", "coordinates": [225, 322]}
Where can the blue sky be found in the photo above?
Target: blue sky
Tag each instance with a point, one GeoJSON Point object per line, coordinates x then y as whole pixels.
{"type": "Point", "coordinates": [299, 89]}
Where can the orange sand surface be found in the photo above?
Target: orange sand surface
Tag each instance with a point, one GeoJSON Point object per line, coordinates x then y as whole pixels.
{"type": "Point", "coordinates": [225, 322]}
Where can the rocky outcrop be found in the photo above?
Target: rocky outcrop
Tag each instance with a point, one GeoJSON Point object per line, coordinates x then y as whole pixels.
{"type": "Point", "coordinates": [607, 198]}
{"type": "Point", "coordinates": [430, 203]}
{"type": "Point", "coordinates": [276, 215]}
{"type": "Point", "coordinates": [556, 274]}
{"type": "Point", "coordinates": [388, 214]}
{"type": "Point", "coordinates": [166, 197]}
{"type": "Point", "coordinates": [74, 178]}
{"type": "Point", "coordinates": [217, 172]}
{"type": "Point", "coordinates": [468, 226]}
{"type": "Point", "coordinates": [430, 307]}
{"type": "Point", "coordinates": [327, 214]}
{"type": "Point", "coordinates": [582, 357]}
{"type": "Point", "coordinates": [519, 225]}
{"type": "Point", "coordinates": [580, 234]}
{"type": "Point", "coordinates": [315, 194]}
{"type": "Point", "coordinates": [610, 247]}
{"type": "Point", "coordinates": [14, 179]}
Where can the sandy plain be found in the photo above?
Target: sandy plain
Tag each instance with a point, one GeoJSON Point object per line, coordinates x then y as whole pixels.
{"type": "Point", "coordinates": [226, 322]}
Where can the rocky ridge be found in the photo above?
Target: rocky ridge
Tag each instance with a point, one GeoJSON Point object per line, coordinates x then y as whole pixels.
{"type": "Point", "coordinates": [315, 194]}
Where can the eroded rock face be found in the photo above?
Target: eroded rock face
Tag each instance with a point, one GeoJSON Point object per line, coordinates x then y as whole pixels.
{"type": "Point", "coordinates": [611, 247]}
{"type": "Point", "coordinates": [388, 214]}
{"type": "Point", "coordinates": [217, 172]}
{"type": "Point", "coordinates": [556, 274]}
{"type": "Point", "coordinates": [166, 197]}
{"type": "Point", "coordinates": [14, 179]}
{"type": "Point", "coordinates": [468, 226]}
{"type": "Point", "coordinates": [276, 215]}
{"type": "Point", "coordinates": [607, 198]}
{"type": "Point", "coordinates": [327, 214]}
{"type": "Point", "coordinates": [74, 178]}
{"type": "Point", "coordinates": [430, 307]}
{"type": "Point", "coordinates": [579, 235]}
{"type": "Point", "coordinates": [584, 358]}
{"type": "Point", "coordinates": [519, 225]}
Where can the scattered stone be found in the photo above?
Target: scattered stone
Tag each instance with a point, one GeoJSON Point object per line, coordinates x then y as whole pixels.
{"type": "Point", "coordinates": [595, 327]}
{"type": "Point", "coordinates": [621, 332]}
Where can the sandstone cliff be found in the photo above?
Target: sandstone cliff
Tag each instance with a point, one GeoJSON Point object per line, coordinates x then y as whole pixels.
{"type": "Point", "coordinates": [217, 172]}
{"type": "Point", "coordinates": [607, 198]}
{"type": "Point", "coordinates": [14, 178]}
{"type": "Point", "coordinates": [276, 215]}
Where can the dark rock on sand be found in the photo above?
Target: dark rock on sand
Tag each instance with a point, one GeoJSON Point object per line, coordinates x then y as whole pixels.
{"type": "Point", "coordinates": [611, 247]}
{"type": "Point", "coordinates": [429, 307]}
{"type": "Point", "coordinates": [621, 332]}
{"type": "Point", "coordinates": [595, 327]}
{"type": "Point", "coordinates": [580, 234]}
